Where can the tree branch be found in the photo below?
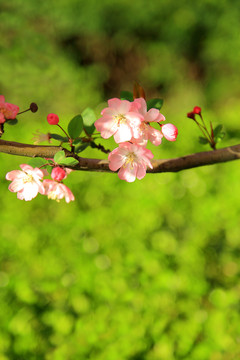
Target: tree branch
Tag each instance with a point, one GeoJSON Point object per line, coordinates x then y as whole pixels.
{"type": "Point", "coordinates": [164, 165]}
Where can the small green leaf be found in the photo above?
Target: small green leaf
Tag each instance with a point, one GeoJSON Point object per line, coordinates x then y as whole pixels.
{"type": "Point", "coordinates": [59, 137]}
{"type": "Point", "coordinates": [217, 130]}
{"type": "Point", "coordinates": [81, 147]}
{"type": "Point", "coordinates": [69, 161]}
{"type": "Point", "coordinates": [89, 118]}
{"type": "Point", "coordinates": [37, 162]}
{"type": "Point", "coordinates": [202, 140]}
{"type": "Point", "coordinates": [59, 156]}
{"type": "Point", "coordinates": [126, 95]}
{"type": "Point", "coordinates": [75, 126]}
{"type": "Point", "coordinates": [154, 103]}
{"type": "Point", "coordinates": [11, 122]}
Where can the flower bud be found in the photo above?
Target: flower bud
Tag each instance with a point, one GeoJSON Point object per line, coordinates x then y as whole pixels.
{"type": "Point", "coordinates": [33, 107]}
{"type": "Point", "coordinates": [53, 119]}
{"type": "Point", "coordinates": [191, 115]}
{"type": "Point", "coordinates": [170, 132]}
{"type": "Point", "coordinates": [197, 110]}
{"type": "Point", "coordinates": [58, 173]}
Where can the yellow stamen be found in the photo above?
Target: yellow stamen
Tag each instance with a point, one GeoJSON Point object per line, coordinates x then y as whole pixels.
{"type": "Point", "coordinates": [28, 178]}
{"type": "Point", "coordinates": [120, 119]}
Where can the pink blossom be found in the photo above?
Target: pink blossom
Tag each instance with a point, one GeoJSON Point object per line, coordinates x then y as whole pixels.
{"type": "Point", "coordinates": [26, 183]}
{"type": "Point", "coordinates": [7, 110]}
{"type": "Point", "coordinates": [120, 119]}
{"type": "Point", "coordinates": [170, 132]}
{"type": "Point", "coordinates": [147, 132]}
{"type": "Point", "coordinates": [57, 191]}
{"type": "Point", "coordinates": [58, 173]}
{"type": "Point", "coordinates": [52, 119]}
{"type": "Point", "coordinates": [131, 159]}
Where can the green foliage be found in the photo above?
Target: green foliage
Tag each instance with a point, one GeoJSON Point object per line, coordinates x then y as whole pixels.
{"type": "Point", "coordinates": [61, 159]}
{"type": "Point", "coordinates": [126, 95]}
{"type": "Point", "coordinates": [75, 126]}
{"type": "Point", "coordinates": [203, 140]}
{"type": "Point", "coordinates": [218, 133]}
{"type": "Point", "coordinates": [89, 118]}
{"type": "Point", "coordinates": [155, 103]}
{"type": "Point", "coordinates": [63, 139]}
{"type": "Point", "coordinates": [142, 271]}
{"type": "Point", "coordinates": [12, 122]}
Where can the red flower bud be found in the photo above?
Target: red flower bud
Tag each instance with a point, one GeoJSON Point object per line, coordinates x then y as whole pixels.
{"type": "Point", "coordinates": [53, 119]}
{"type": "Point", "coordinates": [58, 173]}
{"type": "Point", "coordinates": [197, 110]}
{"type": "Point", "coordinates": [191, 115]}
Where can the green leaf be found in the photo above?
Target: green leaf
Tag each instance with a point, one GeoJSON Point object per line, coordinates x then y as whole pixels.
{"type": "Point", "coordinates": [37, 162]}
{"type": "Point", "coordinates": [202, 140]}
{"type": "Point", "coordinates": [81, 147]}
{"type": "Point", "coordinates": [59, 156]}
{"type": "Point", "coordinates": [11, 122]}
{"type": "Point", "coordinates": [75, 126]}
{"type": "Point", "coordinates": [59, 137]}
{"type": "Point", "coordinates": [154, 103]}
{"type": "Point", "coordinates": [89, 118]}
{"type": "Point", "coordinates": [126, 95]}
{"type": "Point", "coordinates": [69, 161]}
{"type": "Point", "coordinates": [217, 130]}
{"type": "Point", "coordinates": [77, 141]}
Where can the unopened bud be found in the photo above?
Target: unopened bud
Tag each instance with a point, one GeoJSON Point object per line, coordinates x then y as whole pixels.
{"type": "Point", "coordinates": [191, 115]}
{"type": "Point", "coordinates": [33, 107]}
{"type": "Point", "coordinates": [58, 173]}
{"type": "Point", "coordinates": [197, 110]}
{"type": "Point", "coordinates": [52, 119]}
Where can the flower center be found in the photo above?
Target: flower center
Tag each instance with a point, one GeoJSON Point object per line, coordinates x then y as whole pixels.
{"type": "Point", "coordinates": [53, 196]}
{"type": "Point", "coordinates": [130, 159]}
{"type": "Point", "coordinates": [28, 178]}
{"type": "Point", "coordinates": [120, 119]}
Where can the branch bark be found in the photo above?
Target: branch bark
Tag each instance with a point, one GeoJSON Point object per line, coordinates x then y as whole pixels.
{"type": "Point", "coordinates": [163, 165]}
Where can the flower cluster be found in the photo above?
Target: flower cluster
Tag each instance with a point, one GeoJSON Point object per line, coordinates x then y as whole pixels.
{"type": "Point", "coordinates": [196, 111]}
{"type": "Point", "coordinates": [129, 124]}
{"type": "Point", "coordinates": [7, 111]}
{"type": "Point", "coordinates": [28, 183]}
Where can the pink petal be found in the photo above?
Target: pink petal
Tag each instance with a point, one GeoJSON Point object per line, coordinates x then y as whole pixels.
{"type": "Point", "coordinates": [16, 185]}
{"type": "Point", "coordinates": [128, 172]}
{"type": "Point", "coordinates": [152, 115]}
{"type": "Point", "coordinates": [2, 118]}
{"type": "Point", "coordinates": [141, 171]}
{"type": "Point", "coordinates": [15, 174]}
{"type": "Point", "coordinates": [26, 167]}
{"type": "Point", "coordinates": [155, 136]}
{"type": "Point", "coordinates": [124, 133]}
{"type": "Point", "coordinates": [115, 161]}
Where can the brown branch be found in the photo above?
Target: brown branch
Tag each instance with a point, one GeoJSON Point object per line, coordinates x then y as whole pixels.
{"type": "Point", "coordinates": [165, 165]}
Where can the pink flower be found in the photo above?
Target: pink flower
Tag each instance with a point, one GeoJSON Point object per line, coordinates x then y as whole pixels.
{"type": "Point", "coordinates": [147, 132]}
{"type": "Point", "coordinates": [170, 132]}
{"type": "Point", "coordinates": [132, 160]}
{"type": "Point", "coordinates": [57, 191]}
{"type": "Point", "coordinates": [58, 173]}
{"type": "Point", "coordinates": [52, 119]}
{"type": "Point", "coordinates": [26, 183]}
{"type": "Point", "coordinates": [120, 119]}
{"type": "Point", "coordinates": [7, 110]}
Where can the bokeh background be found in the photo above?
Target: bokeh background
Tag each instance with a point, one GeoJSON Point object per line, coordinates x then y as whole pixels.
{"type": "Point", "coordinates": [141, 271]}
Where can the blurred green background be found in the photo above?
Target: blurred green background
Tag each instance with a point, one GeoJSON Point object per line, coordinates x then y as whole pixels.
{"type": "Point", "coordinates": [141, 271]}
